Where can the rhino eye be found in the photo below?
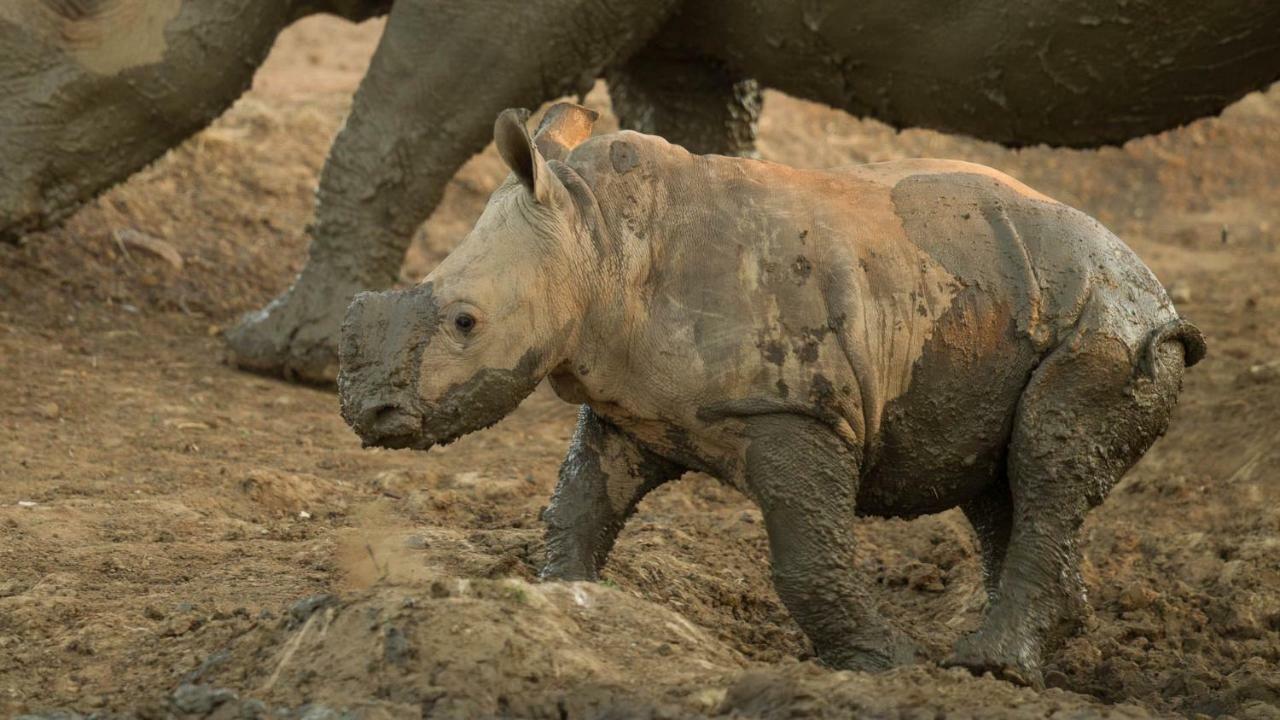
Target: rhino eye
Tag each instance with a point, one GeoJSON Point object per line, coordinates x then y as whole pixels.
{"type": "Point", "coordinates": [464, 322]}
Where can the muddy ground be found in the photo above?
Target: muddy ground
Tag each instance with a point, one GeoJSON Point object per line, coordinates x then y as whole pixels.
{"type": "Point", "coordinates": [178, 539]}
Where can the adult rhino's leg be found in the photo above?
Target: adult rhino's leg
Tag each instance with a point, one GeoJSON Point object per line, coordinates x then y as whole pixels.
{"type": "Point", "coordinates": [695, 102]}
{"type": "Point", "coordinates": [805, 480]}
{"type": "Point", "coordinates": [90, 92]}
{"type": "Point", "coordinates": [991, 514]}
{"type": "Point", "coordinates": [441, 74]}
{"type": "Point", "coordinates": [1083, 420]}
{"type": "Point", "coordinates": [603, 478]}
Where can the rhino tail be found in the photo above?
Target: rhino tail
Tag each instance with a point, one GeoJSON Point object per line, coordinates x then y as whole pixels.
{"type": "Point", "coordinates": [1193, 345]}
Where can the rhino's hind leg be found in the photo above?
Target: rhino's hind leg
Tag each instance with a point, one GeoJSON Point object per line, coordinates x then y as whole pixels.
{"type": "Point", "coordinates": [991, 515]}
{"type": "Point", "coordinates": [1083, 421]}
{"type": "Point", "coordinates": [603, 478]}
{"type": "Point", "coordinates": [806, 480]}
{"type": "Point", "coordinates": [693, 102]}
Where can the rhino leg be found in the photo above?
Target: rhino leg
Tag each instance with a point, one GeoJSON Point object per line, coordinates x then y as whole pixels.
{"type": "Point", "coordinates": [91, 92]}
{"type": "Point", "coordinates": [603, 478]}
{"type": "Point", "coordinates": [991, 514]}
{"type": "Point", "coordinates": [1082, 422]}
{"type": "Point", "coordinates": [442, 72]}
{"type": "Point", "coordinates": [692, 101]}
{"type": "Point", "coordinates": [806, 480]}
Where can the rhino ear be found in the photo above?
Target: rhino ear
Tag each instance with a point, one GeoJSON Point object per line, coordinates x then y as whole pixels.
{"type": "Point", "coordinates": [520, 154]}
{"type": "Point", "coordinates": [564, 126]}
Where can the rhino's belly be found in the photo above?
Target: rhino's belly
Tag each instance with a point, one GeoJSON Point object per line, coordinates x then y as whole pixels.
{"type": "Point", "coordinates": [944, 439]}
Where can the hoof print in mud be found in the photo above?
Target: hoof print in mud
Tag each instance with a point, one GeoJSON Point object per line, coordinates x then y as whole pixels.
{"type": "Point", "coordinates": [943, 336]}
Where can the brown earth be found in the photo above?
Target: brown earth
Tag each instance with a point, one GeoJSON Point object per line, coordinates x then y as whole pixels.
{"type": "Point", "coordinates": [180, 539]}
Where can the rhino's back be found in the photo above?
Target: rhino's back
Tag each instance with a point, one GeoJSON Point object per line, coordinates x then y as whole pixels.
{"type": "Point", "coordinates": [1055, 266]}
{"type": "Point", "coordinates": [910, 299]}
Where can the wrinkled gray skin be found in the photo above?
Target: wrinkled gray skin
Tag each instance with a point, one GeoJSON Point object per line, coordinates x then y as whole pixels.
{"type": "Point", "coordinates": [891, 339]}
{"type": "Point", "coordinates": [89, 93]}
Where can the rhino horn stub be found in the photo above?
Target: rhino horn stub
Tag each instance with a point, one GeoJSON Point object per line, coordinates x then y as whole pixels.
{"type": "Point", "coordinates": [383, 336]}
{"type": "Point", "coordinates": [564, 126]}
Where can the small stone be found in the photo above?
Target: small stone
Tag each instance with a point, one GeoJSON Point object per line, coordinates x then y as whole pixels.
{"type": "Point", "coordinates": [179, 626]}
{"type": "Point", "coordinates": [1136, 597]}
{"type": "Point", "coordinates": [925, 577]}
{"type": "Point", "coordinates": [708, 699]}
{"type": "Point", "coordinates": [200, 699]}
{"type": "Point", "coordinates": [392, 483]}
{"type": "Point", "coordinates": [135, 240]}
{"type": "Point", "coordinates": [320, 712]}
{"type": "Point", "coordinates": [1261, 373]}
{"type": "Point", "coordinates": [304, 608]}
{"type": "Point", "coordinates": [151, 612]}
{"type": "Point", "coordinates": [1179, 292]}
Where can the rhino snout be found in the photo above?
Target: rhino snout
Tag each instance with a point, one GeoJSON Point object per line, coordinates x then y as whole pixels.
{"type": "Point", "coordinates": [389, 425]}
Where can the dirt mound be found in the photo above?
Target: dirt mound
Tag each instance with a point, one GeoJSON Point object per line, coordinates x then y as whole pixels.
{"type": "Point", "coordinates": [507, 648]}
{"type": "Point", "coordinates": [475, 648]}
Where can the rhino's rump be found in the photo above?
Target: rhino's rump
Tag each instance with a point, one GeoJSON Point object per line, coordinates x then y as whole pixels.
{"type": "Point", "coordinates": [943, 439]}
{"type": "Point", "coordinates": [1030, 272]}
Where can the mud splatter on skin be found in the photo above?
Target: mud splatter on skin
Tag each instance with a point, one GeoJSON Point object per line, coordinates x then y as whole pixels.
{"type": "Point", "coordinates": [622, 156]}
{"type": "Point", "coordinates": [801, 267]}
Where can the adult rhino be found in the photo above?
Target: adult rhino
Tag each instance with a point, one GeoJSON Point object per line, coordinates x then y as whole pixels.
{"type": "Point", "coordinates": [891, 339]}
{"type": "Point", "coordinates": [93, 90]}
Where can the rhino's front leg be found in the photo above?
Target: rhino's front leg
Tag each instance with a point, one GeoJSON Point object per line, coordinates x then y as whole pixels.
{"type": "Point", "coordinates": [603, 478]}
{"type": "Point", "coordinates": [806, 481]}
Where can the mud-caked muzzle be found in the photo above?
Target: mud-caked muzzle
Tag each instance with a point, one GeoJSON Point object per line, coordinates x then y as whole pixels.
{"type": "Point", "coordinates": [380, 358]}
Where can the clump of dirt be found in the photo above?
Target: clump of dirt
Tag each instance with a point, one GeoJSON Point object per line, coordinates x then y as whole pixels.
{"type": "Point", "coordinates": [180, 539]}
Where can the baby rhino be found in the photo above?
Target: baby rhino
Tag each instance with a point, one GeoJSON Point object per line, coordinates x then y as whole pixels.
{"type": "Point", "coordinates": [892, 339]}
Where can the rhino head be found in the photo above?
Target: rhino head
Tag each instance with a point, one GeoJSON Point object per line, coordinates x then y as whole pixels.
{"type": "Point", "coordinates": [424, 366]}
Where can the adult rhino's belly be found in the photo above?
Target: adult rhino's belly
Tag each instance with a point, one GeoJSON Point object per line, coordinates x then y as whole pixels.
{"type": "Point", "coordinates": [944, 439]}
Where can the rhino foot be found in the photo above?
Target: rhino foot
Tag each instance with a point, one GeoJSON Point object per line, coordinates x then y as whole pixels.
{"type": "Point", "coordinates": [296, 335]}
{"type": "Point", "coordinates": [980, 654]}
{"type": "Point", "coordinates": [894, 650]}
